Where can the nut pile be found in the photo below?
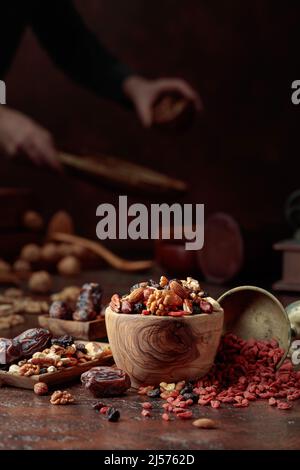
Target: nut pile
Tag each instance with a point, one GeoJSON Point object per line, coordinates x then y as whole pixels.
{"type": "Point", "coordinates": [244, 371]}
{"type": "Point", "coordinates": [62, 353]}
{"type": "Point", "coordinates": [173, 298]}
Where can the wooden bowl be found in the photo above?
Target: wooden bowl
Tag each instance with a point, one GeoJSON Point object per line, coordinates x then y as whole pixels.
{"type": "Point", "coordinates": [154, 349]}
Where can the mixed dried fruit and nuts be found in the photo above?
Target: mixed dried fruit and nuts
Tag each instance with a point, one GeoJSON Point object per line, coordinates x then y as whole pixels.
{"type": "Point", "coordinates": [35, 352]}
{"type": "Point", "coordinates": [87, 306]}
{"type": "Point", "coordinates": [172, 298]}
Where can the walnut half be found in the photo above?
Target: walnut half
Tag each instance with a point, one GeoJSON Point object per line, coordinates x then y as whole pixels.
{"type": "Point", "coordinates": [61, 398]}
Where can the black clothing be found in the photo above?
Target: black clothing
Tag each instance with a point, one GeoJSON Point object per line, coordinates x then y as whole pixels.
{"type": "Point", "coordinates": [61, 31]}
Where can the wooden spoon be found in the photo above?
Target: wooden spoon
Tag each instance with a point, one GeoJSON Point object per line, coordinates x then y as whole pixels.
{"type": "Point", "coordinates": [97, 248]}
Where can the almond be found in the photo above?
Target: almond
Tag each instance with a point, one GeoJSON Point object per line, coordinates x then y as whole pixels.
{"type": "Point", "coordinates": [205, 423]}
{"type": "Point", "coordinates": [136, 295]}
{"type": "Point", "coordinates": [172, 299]}
{"type": "Point", "coordinates": [188, 306]}
{"type": "Point", "coordinates": [179, 289]}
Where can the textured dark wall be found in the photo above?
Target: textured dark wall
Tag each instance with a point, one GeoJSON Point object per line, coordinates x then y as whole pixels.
{"type": "Point", "coordinates": [238, 158]}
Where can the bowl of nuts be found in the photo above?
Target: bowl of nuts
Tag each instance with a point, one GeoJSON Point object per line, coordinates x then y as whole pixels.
{"type": "Point", "coordinates": [167, 331]}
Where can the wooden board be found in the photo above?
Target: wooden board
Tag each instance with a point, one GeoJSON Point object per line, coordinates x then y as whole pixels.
{"type": "Point", "coordinates": [89, 330]}
{"type": "Point", "coordinates": [65, 375]}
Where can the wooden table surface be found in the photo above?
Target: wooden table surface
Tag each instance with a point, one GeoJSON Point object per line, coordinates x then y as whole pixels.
{"type": "Point", "coordinates": [31, 422]}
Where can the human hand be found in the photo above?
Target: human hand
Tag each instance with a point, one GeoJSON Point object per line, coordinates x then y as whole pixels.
{"type": "Point", "coordinates": [20, 135]}
{"type": "Point", "coordinates": [144, 94]}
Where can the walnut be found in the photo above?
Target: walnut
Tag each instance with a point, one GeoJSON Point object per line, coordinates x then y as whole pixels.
{"type": "Point", "coordinates": [50, 253]}
{"type": "Point", "coordinates": [62, 222]}
{"type": "Point", "coordinates": [4, 266]}
{"type": "Point", "coordinates": [69, 266]}
{"type": "Point", "coordinates": [40, 388]}
{"type": "Point", "coordinates": [33, 220]}
{"type": "Point", "coordinates": [65, 249]}
{"type": "Point", "coordinates": [21, 266]}
{"type": "Point", "coordinates": [13, 293]}
{"type": "Point", "coordinates": [43, 359]}
{"type": "Point", "coordinates": [61, 398]}
{"type": "Point", "coordinates": [40, 282]}
{"type": "Point", "coordinates": [31, 253]}
{"type": "Point", "coordinates": [29, 369]}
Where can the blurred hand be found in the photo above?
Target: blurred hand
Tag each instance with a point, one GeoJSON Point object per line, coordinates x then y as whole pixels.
{"type": "Point", "coordinates": [144, 93]}
{"type": "Point", "coordinates": [19, 135]}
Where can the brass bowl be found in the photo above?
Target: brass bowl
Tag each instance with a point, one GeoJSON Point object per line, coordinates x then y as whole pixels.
{"type": "Point", "coordinates": [154, 349]}
{"type": "Point", "coordinates": [253, 312]}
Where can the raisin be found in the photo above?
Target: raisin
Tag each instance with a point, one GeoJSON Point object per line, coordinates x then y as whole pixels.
{"type": "Point", "coordinates": [190, 396]}
{"type": "Point", "coordinates": [196, 309]}
{"type": "Point", "coordinates": [154, 284]}
{"type": "Point", "coordinates": [63, 341]}
{"type": "Point", "coordinates": [154, 393]}
{"type": "Point", "coordinates": [43, 370]}
{"type": "Point", "coordinates": [188, 388]}
{"type": "Point", "coordinates": [138, 308]}
{"type": "Point", "coordinates": [113, 415]}
{"type": "Point", "coordinates": [81, 347]}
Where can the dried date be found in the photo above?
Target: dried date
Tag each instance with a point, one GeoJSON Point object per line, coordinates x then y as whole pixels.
{"type": "Point", "coordinates": [88, 305]}
{"type": "Point", "coordinates": [105, 381]}
{"type": "Point", "coordinates": [60, 310]}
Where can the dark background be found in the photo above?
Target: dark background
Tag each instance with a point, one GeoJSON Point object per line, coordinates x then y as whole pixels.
{"type": "Point", "coordinates": [241, 157]}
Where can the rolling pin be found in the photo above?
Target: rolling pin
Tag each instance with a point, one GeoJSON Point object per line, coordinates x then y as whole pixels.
{"type": "Point", "coordinates": [124, 173]}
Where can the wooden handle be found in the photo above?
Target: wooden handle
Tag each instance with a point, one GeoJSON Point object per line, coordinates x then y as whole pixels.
{"type": "Point", "coordinates": [100, 250]}
{"type": "Point", "coordinates": [122, 172]}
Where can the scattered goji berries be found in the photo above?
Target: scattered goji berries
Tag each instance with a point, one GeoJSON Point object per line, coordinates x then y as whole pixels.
{"type": "Point", "coordinates": [244, 371]}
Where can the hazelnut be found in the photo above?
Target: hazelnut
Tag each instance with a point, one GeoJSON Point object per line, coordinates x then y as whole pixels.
{"type": "Point", "coordinates": [50, 253]}
{"type": "Point", "coordinates": [60, 222]}
{"type": "Point", "coordinates": [65, 249]}
{"type": "Point", "coordinates": [69, 266]}
{"type": "Point", "coordinates": [31, 253]}
{"type": "Point", "coordinates": [40, 388]}
{"type": "Point", "coordinates": [60, 310]}
{"type": "Point", "coordinates": [33, 220]}
{"type": "Point", "coordinates": [40, 282]}
{"type": "Point", "coordinates": [51, 369]}
{"type": "Point", "coordinates": [4, 266]}
{"type": "Point", "coordinates": [21, 266]}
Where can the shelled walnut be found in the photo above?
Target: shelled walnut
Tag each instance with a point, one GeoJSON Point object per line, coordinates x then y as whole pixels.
{"type": "Point", "coordinates": [40, 282]}
{"type": "Point", "coordinates": [29, 369]}
{"type": "Point", "coordinates": [61, 398]}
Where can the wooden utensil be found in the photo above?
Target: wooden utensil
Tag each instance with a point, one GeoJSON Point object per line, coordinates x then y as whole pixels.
{"type": "Point", "coordinates": [100, 250]}
{"type": "Point", "coordinates": [124, 173]}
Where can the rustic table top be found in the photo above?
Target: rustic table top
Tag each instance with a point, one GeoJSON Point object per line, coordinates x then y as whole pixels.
{"type": "Point", "coordinates": [31, 422]}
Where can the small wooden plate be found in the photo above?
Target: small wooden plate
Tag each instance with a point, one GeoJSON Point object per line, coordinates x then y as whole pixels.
{"type": "Point", "coordinates": [88, 331]}
{"type": "Point", "coordinates": [65, 375]}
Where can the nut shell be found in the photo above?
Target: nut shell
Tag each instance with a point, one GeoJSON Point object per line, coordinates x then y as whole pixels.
{"type": "Point", "coordinates": [40, 388]}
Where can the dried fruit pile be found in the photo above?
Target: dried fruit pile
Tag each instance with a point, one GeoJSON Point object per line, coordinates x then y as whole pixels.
{"type": "Point", "coordinates": [244, 371]}
{"type": "Point", "coordinates": [173, 298]}
{"type": "Point", "coordinates": [87, 307]}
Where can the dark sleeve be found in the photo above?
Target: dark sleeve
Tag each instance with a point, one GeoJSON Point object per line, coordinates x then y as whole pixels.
{"type": "Point", "coordinates": [75, 49]}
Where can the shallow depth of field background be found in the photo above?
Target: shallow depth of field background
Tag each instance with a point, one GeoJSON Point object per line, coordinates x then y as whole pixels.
{"type": "Point", "coordinates": [241, 157]}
